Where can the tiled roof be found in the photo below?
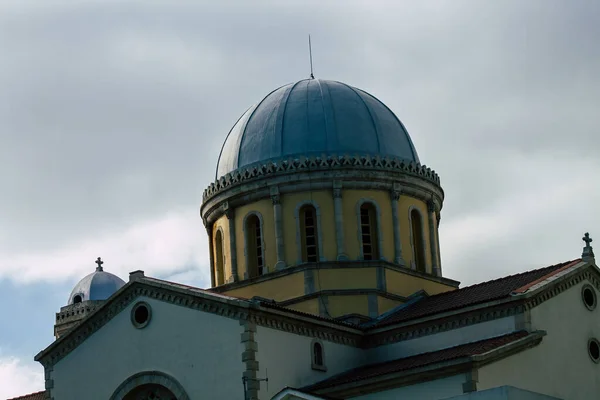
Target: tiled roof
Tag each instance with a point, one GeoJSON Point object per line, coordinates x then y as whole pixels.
{"type": "Point", "coordinates": [420, 360]}
{"type": "Point", "coordinates": [470, 295]}
{"type": "Point", "coordinates": [31, 396]}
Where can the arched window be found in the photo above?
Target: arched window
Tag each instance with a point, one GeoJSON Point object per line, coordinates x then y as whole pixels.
{"type": "Point", "coordinates": [418, 245]}
{"type": "Point", "coordinates": [318, 356]}
{"type": "Point", "coordinates": [219, 260]}
{"type": "Point", "coordinates": [308, 229]}
{"type": "Point", "coordinates": [77, 299]}
{"type": "Point", "coordinates": [254, 246]}
{"type": "Point", "coordinates": [368, 230]}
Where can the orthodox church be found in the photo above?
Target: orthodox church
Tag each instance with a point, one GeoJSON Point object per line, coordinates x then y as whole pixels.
{"type": "Point", "coordinates": [327, 283]}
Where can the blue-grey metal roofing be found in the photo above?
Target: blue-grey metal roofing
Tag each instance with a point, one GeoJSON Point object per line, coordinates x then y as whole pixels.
{"type": "Point", "coordinates": [98, 285]}
{"type": "Point", "coordinates": [314, 116]}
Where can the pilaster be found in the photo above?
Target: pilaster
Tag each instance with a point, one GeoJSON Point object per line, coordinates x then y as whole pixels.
{"type": "Point", "coordinates": [250, 346]}
{"type": "Point", "coordinates": [395, 197]}
{"type": "Point", "coordinates": [435, 269]}
{"type": "Point", "coordinates": [230, 213]}
{"type": "Point", "coordinates": [211, 252]}
{"type": "Point", "coordinates": [48, 382]}
{"type": "Point", "coordinates": [279, 243]}
{"type": "Point", "coordinates": [339, 220]}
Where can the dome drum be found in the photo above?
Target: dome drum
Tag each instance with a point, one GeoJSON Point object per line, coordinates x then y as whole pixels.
{"type": "Point", "coordinates": [319, 186]}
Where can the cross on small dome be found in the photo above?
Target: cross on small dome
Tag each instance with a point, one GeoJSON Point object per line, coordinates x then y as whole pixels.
{"type": "Point", "coordinates": [99, 262]}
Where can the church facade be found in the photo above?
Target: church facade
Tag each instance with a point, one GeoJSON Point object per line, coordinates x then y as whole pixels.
{"type": "Point", "coordinates": [326, 283]}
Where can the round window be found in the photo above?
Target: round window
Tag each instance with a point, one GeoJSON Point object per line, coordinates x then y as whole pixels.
{"type": "Point", "coordinates": [594, 350]}
{"type": "Point", "coordinates": [141, 314]}
{"type": "Point", "coordinates": [588, 295]}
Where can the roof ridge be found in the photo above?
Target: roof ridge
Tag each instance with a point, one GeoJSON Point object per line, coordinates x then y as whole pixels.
{"type": "Point", "coordinates": [468, 349]}
{"type": "Point", "coordinates": [558, 265]}
{"type": "Point", "coordinates": [27, 395]}
{"type": "Point", "coordinates": [505, 335]}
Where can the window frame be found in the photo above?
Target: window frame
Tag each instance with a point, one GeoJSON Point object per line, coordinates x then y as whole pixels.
{"type": "Point", "coordinates": [377, 230]}
{"type": "Point", "coordinates": [260, 269]}
{"type": "Point", "coordinates": [314, 365]}
{"type": "Point", "coordinates": [299, 233]}
{"type": "Point", "coordinates": [219, 231]}
{"type": "Point", "coordinates": [414, 243]}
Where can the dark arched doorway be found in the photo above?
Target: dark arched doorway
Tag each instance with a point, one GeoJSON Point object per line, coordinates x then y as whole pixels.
{"type": "Point", "coordinates": [150, 392]}
{"type": "Point", "coordinates": [150, 385]}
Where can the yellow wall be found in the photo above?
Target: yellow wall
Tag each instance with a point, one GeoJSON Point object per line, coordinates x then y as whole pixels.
{"type": "Point", "coordinates": [405, 285]}
{"type": "Point", "coordinates": [384, 304]}
{"type": "Point", "coordinates": [345, 278]}
{"type": "Point", "coordinates": [222, 223]}
{"type": "Point", "coordinates": [404, 205]}
{"type": "Point", "coordinates": [265, 208]}
{"type": "Point", "coordinates": [283, 288]}
{"type": "Point", "coordinates": [324, 199]}
{"type": "Point", "coordinates": [350, 199]}
{"type": "Point", "coordinates": [341, 305]}
{"type": "Point", "coordinates": [292, 286]}
{"type": "Point", "coordinates": [309, 306]}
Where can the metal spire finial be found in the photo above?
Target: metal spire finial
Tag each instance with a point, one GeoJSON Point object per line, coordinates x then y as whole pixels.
{"type": "Point", "coordinates": [312, 76]}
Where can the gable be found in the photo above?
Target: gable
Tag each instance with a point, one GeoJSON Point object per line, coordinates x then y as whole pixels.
{"type": "Point", "coordinates": [563, 354]}
{"type": "Point", "coordinates": [177, 340]}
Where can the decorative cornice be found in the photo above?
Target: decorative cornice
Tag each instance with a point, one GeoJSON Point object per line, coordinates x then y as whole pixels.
{"type": "Point", "coordinates": [238, 309]}
{"type": "Point", "coordinates": [555, 288]}
{"type": "Point", "coordinates": [414, 330]}
{"type": "Point", "coordinates": [432, 371]}
{"type": "Point", "coordinates": [312, 163]}
{"type": "Point", "coordinates": [430, 206]}
{"type": "Point", "coordinates": [480, 313]}
{"type": "Point", "coordinates": [304, 324]}
{"type": "Point", "coordinates": [275, 196]}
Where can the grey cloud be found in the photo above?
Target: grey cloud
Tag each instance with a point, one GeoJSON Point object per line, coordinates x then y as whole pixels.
{"type": "Point", "coordinates": [113, 113]}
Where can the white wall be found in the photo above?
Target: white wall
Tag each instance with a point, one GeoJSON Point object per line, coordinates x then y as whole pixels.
{"type": "Point", "coordinates": [560, 365]}
{"type": "Point", "coordinates": [455, 337]}
{"type": "Point", "coordinates": [202, 351]}
{"type": "Point", "coordinates": [432, 390]}
{"type": "Point", "coordinates": [503, 393]}
{"type": "Point", "coordinates": [286, 359]}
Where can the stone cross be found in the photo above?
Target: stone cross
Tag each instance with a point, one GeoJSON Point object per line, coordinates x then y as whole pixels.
{"type": "Point", "coordinates": [588, 252]}
{"type": "Point", "coordinates": [99, 262]}
{"type": "Point", "coordinates": [587, 239]}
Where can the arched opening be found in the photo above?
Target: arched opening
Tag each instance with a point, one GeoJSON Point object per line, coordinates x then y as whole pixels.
{"type": "Point", "coordinates": [317, 354]}
{"type": "Point", "coordinates": [308, 230]}
{"type": "Point", "coordinates": [416, 226]}
{"type": "Point", "coordinates": [150, 391]}
{"type": "Point", "coordinates": [77, 299]}
{"type": "Point", "coordinates": [254, 246]}
{"type": "Point", "coordinates": [219, 261]}
{"type": "Point", "coordinates": [368, 230]}
{"type": "Point", "coordinates": [156, 385]}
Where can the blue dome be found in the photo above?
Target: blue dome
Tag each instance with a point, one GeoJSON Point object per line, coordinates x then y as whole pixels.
{"type": "Point", "coordinates": [98, 285]}
{"type": "Point", "coordinates": [314, 117]}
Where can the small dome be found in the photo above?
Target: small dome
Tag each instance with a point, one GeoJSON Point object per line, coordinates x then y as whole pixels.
{"type": "Point", "coordinates": [99, 285]}
{"type": "Point", "coordinates": [314, 117]}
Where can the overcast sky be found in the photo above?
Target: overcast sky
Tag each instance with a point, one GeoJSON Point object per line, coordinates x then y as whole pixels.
{"type": "Point", "coordinates": [112, 114]}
